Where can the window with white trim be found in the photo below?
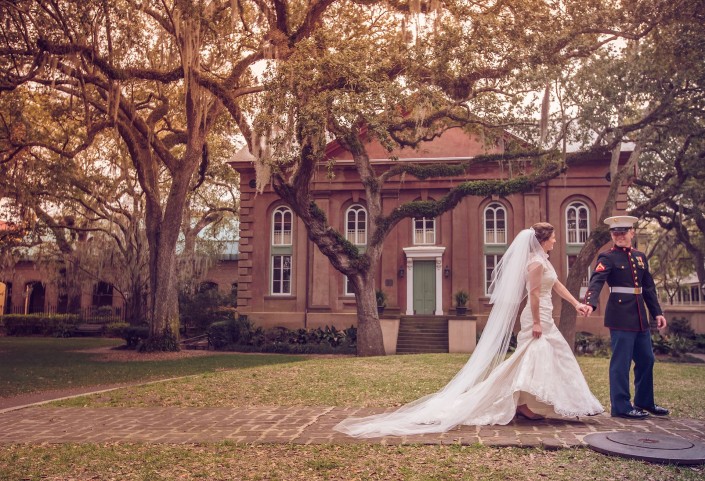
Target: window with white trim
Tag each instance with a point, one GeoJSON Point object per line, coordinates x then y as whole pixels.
{"type": "Point", "coordinates": [347, 287]}
{"type": "Point", "coordinates": [586, 280]}
{"type": "Point", "coordinates": [356, 225]}
{"type": "Point", "coordinates": [491, 262]}
{"type": "Point", "coordinates": [281, 251]}
{"type": "Point", "coordinates": [577, 223]}
{"type": "Point", "coordinates": [282, 219]}
{"type": "Point", "coordinates": [356, 233]}
{"type": "Point", "coordinates": [495, 224]}
{"type": "Point", "coordinates": [424, 231]}
{"type": "Point", "coordinates": [281, 274]}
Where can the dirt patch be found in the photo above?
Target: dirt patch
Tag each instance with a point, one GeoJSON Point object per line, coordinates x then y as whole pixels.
{"type": "Point", "coordinates": [687, 358]}
{"type": "Point", "coordinates": [111, 354]}
{"type": "Point", "coordinates": [54, 394]}
{"type": "Point", "coordinates": [117, 354]}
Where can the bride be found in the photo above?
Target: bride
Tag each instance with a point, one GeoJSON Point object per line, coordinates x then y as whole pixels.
{"type": "Point", "coordinates": [541, 378]}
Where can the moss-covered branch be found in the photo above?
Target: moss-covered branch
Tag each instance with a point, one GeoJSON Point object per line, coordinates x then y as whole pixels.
{"type": "Point", "coordinates": [450, 170]}
{"type": "Point", "coordinates": [342, 253]}
{"type": "Point", "coordinates": [482, 188]}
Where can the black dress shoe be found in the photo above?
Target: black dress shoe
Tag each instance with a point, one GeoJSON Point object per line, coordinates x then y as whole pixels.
{"type": "Point", "coordinates": [633, 414]}
{"type": "Point", "coordinates": [656, 410]}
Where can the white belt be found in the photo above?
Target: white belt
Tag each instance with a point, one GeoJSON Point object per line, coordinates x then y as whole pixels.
{"type": "Point", "coordinates": [625, 290]}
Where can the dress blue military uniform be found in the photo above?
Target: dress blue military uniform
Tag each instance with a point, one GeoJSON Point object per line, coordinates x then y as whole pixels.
{"type": "Point", "coordinates": [632, 292]}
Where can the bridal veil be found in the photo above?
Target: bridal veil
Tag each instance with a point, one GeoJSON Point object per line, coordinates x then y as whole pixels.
{"type": "Point", "coordinates": [439, 412]}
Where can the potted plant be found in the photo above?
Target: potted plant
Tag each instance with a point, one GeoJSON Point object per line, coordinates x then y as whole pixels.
{"type": "Point", "coordinates": [381, 301]}
{"type": "Point", "coordinates": [461, 299]}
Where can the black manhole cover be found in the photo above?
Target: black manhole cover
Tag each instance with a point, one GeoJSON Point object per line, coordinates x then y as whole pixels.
{"type": "Point", "coordinates": [650, 441]}
{"type": "Point", "coordinates": [656, 448]}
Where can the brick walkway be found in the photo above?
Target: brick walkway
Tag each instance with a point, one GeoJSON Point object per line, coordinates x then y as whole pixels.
{"type": "Point", "coordinates": [300, 425]}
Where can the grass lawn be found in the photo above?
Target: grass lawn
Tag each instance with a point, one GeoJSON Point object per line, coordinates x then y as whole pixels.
{"type": "Point", "coordinates": [226, 461]}
{"type": "Point", "coordinates": [247, 380]}
{"type": "Point", "coordinates": [31, 364]}
{"type": "Point", "coordinates": [368, 382]}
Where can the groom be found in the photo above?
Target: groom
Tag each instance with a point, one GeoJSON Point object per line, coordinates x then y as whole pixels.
{"type": "Point", "coordinates": [632, 290]}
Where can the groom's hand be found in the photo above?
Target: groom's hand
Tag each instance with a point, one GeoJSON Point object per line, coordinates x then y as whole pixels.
{"type": "Point", "coordinates": [583, 309]}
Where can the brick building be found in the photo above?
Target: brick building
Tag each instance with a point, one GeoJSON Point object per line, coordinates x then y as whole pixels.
{"type": "Point", "coordinates": [283, 278]}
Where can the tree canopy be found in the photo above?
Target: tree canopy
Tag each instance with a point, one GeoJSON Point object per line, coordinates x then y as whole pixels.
{"type": "Point", "coordinates": [168, 85]}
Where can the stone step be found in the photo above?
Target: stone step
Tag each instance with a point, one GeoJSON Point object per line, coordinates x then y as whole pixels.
{"type": "Point", "coordinates": [422, 334]}
{"type": "Point", "coordinates": [421, 340]}
{"type": "Point", "coordinates": [424, 320]}
{"type": "Point", "coordinates": [420, 350]}
{"type": "Point", "coordinates": [423, 329]}
{"type": "Point", "coordinates": [423, 326]}
{"type": "Point", "coordinates": [425, 332]}
{"type": "Point", "coordinates": [436, 325]}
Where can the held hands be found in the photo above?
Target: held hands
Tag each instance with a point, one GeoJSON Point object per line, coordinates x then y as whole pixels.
{"type": "Point", "coordinates": [583, 309]}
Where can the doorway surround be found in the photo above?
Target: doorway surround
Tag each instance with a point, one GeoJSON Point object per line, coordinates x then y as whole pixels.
{"type": "Point", "coordinates": [424, 253]}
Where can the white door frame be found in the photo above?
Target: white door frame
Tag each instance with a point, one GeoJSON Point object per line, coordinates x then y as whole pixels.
{"type": "Point", "coordinates": [424, 253]}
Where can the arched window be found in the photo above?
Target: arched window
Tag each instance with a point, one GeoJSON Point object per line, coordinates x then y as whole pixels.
{"type": "Point", "coordinates": [424, 231]}
{"type": "Point", "coordinates": [355, 232]}
{"type": "Point", "coordinates": [495, 227]}
{"type": "Point", "coordinates": [282, 219]}
{"type": "Point", "coordinates": [495, 224]}
{"type": "Point", "coordinates": [356, 224]}
{"type": "Point", "coordinates": [577, 226]}
{"type": "Point", "coordinates": [577, 222]}
{"type": "Point", "coordinates": [281, 251]}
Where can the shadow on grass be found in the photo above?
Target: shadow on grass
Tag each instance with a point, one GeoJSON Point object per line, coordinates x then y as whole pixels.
{"type": "Point", "coordinates": [35, 364]}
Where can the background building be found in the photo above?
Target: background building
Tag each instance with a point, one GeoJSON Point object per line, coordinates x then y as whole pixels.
{"type": "Point", "coordinates": [284, 279]}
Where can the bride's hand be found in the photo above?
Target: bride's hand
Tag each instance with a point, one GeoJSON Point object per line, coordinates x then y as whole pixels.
{"type": "Point", "coordinates": [536, 331]}
{"type": "Point", "coordinates": [583, 309]}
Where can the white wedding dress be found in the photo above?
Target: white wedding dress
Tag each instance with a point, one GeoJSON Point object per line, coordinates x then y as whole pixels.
{"type": "Point", "coordinates": [542, 373]}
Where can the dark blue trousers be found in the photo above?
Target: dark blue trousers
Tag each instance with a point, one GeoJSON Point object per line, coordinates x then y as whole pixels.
{"type": "Point", "coordinates": [628, 346]}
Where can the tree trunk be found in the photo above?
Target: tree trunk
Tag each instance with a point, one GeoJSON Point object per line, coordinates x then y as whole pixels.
{"type": "Point", "coordinates": [695, 250]}
{"type": "Point", "coordinates": [135, 303]}
{"type": "Point", "coordinates": [163, 233]}
{"type": "Point", "coordinates": [598, 238]}
{"type": "Point", "coordinates": [369, 330]}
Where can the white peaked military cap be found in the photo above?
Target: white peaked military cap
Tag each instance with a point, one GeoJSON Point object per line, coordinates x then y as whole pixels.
{"type": "Point", "coordinates": [621, 223]}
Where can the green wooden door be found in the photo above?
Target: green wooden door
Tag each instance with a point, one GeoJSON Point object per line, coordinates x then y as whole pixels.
{"type": "Point", "coordinates": [424, 287]}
